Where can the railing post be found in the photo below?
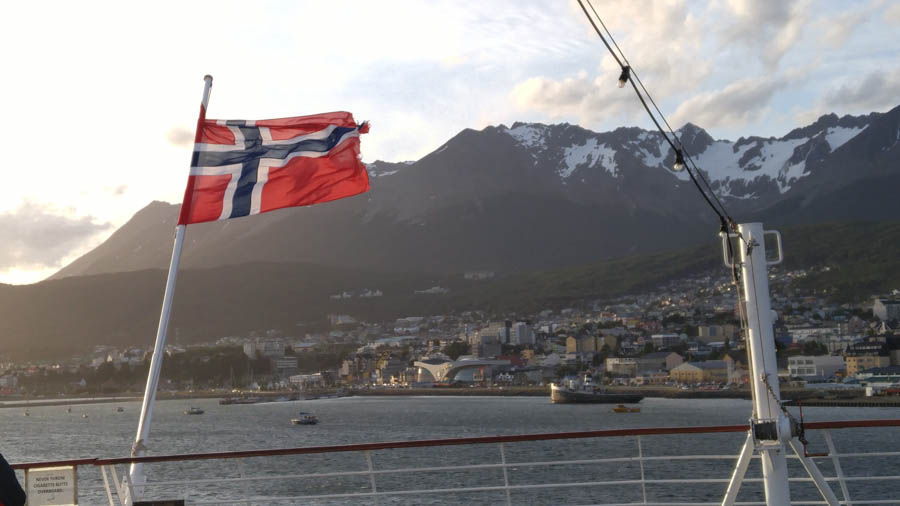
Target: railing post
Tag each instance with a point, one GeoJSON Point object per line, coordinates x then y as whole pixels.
{"type": "Point", "coordinates": [641, 462]}
{"type": "Point", "coordinates": [106, 485]}
{"type": "Point", "coordinates": [240, 463]}
{"type": "Point", "coordinates": [837, 467]}
{"type": "Point", "coordinates": [505, 475]}
{"type": "Point", "coordinates": [372, 476]}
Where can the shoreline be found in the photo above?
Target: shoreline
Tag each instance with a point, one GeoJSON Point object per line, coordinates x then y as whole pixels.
{"type": "Point", "coordinates": [811, 398]}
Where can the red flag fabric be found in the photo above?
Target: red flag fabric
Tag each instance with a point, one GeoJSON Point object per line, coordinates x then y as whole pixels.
{"type": "Point", "coordinates": [244, 167]}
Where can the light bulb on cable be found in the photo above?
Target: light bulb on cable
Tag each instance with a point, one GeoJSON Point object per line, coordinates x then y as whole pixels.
{"type": "Point", "coordinates": [679, 161]}
{"type": "Point", "coordinates": [624, 76]}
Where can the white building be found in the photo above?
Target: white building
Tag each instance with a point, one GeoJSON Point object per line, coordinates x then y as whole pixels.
{"type": "Point", "coordinates": [268, 348]}
{"type": "Point", "coordinates": [886, 309]}
{"type": "Point", "coordinates": [521, 333]}
{"type": "Point", "coordinates": [820, 365]}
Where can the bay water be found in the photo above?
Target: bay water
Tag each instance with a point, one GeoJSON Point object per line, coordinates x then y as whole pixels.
{"type": "Point", "coordinates": [52, 433]}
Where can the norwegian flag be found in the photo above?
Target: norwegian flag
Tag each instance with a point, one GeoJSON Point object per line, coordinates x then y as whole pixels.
{"type": "Point", "coordinates": [242, 167]}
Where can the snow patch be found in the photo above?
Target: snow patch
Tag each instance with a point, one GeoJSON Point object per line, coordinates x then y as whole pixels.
{"type": "Point", "coordinates": [791, 174]}
{"type": "Point", "coordinates": [838, 136]}
{"type": "Point", "coordinates": [589, 153]}
{"type": "Point", "coordinates": [651, 160]}
{"type": "Point", "coordinates": [528, 136]}
{"type": "Point", "coordinates": [722, 163]}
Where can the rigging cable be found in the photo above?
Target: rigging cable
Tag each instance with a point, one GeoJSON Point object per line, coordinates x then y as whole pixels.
{"type": "Point", "coordinates": [726, 222]}
{"type": "Point", "coordinates": [656, 107]}
{"type": "Point", "coordinates": [728, 225]}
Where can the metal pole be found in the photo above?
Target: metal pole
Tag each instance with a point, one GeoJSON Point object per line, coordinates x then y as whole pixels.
{"type": "Point", "coordinates": [772, 429]}
{"type": "Point", "coordinates": [740, 469]}
{"type": "Point", "coordinates": [143, 431]}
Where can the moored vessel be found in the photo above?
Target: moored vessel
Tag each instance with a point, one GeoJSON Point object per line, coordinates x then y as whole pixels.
{"type": "Point", "coordinates": [584, 390]}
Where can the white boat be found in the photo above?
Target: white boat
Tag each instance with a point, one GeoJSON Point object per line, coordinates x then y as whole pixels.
{"type": "Point", "coordinates": [193, 410]}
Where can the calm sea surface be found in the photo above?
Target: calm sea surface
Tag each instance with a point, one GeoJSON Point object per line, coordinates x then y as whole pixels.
{"type": "Point", "coordinates": [50, 433]}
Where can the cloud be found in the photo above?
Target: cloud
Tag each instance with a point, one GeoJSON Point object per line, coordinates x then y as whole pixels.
{"type": "Point", "coordinates": [180, 136]}
{"type": "Point", "coordinates": [577, 96]}
{"type": "Point", "coordinates": [834, 32]}
{"type": "Point", "coordinates": [892, 13]}
{"type": "Point", "coordinates": [738, 103]}
{"type": "Point", "coordinates": [39, 236]}
{"type": "Point", "coordinates": [876, 91]}
{"type": "Point", "coordinates": [663, 41]}
{"type": "Point", "coordinates": [116, 190]}
{"type": "Point", "coordinates": [773, 26]}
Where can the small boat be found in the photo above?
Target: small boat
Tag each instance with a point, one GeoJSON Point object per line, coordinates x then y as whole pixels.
{"type": "Point", "coordinates": [69, 409]}
{"type": "Point", "coordinates": [193, 411]}
{"type": "Point", "coordinates": [120, 409]}
{"type": "Point", "coordinates": [621, 408]}
{"type": "Point", "coordinates": [305, 419]}
{"type": "Point", "coordinates": [84, 415]}
{"type": "Point", "coordinates": [26, 413]}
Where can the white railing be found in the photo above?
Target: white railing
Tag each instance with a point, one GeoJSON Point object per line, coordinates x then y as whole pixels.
{"type": "Point", "coordinates": [509, 470]}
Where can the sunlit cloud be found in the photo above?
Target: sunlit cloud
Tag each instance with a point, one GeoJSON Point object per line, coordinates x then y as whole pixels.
{"type": "Point", "coordinates": [180, 136]}
{"type": "Point", "coordinates": [38, 236]}
{"type": "Point", "coordinates": [738, 103]}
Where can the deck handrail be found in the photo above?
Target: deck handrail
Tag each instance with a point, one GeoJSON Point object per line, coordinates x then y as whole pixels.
{"type": "Point", "coordinates": [514, 438]}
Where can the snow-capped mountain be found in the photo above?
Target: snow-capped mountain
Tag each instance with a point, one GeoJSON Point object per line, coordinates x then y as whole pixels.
{"type": "Point", "coordinates": [533, 196]}
{"type": "Point", "coordinates": [744, 169]}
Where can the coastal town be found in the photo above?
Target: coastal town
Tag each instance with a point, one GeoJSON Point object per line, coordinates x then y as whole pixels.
{"type": "Point", "coordinates": [684, 335]}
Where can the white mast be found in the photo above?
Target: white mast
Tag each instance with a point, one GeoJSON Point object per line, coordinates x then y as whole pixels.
{"type": "Point", "coordinates": [143, 431]}
{"type": "Point", "coordinates": [770, 427]}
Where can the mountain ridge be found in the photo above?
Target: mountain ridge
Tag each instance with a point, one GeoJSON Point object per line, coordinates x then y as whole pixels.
{"type": "Point", "coordinates": [534, 196]}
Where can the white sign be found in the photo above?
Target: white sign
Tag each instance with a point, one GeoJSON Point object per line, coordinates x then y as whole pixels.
{"type": "Point", "coordinates": [51, 486]}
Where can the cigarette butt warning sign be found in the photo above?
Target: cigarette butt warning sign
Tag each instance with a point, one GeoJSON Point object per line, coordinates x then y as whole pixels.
{"type": "Point", "coordinates": [51, 486]}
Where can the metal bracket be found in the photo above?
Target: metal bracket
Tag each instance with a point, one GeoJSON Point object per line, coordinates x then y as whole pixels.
{"type": "Point", "coordinates": [778, 248]}
{"type": "Point", "coordinates": [727, 237]}
{"type": "Point", "coordinates": [765, 434]}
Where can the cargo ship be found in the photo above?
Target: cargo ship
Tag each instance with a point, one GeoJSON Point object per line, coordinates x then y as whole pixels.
{"type": "Point", "coordinates": [584, 390]}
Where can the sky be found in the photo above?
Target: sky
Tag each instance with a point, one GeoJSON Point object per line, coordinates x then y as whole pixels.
{"type": "Point", "coordinates": [99, 99]}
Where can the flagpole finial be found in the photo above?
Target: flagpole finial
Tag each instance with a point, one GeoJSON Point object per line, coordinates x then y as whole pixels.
{"type": "Point", "coordinates": [207, 77]}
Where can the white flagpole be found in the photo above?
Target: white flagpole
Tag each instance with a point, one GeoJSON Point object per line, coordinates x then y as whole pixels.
{"type": "Point", "coordinates": [138, 449]}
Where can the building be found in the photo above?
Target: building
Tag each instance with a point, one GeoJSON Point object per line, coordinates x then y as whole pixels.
{"type": "Point", "coordinates": [663, 341]}
{"type": "Point", "coordinates": [305, 381]}
{"type": "Point", "coordinates": [711, 371]}
{"type": "Point", "coordinates": [465, 369]}
{"type": "Point", "coordinates": [707, 333]}
{"type": "Point", "coordinates": [886, 309]}
{"type": "Point", "coordinates": [622, 366]}
{"type": "Point", "coordinates": [8, 381]}
{"type": "Point", "coordinates": [857, 363]}
{"type": "Point", "coordinates": [823, 366]}
{"type": "Point", "coordinates": [500, 330]}
{"type": "Point", "coordinates": [587, 344]}
{"type": "Point", "coordinates": [269, 348]}
{"type": "Point", "coordinates": [521, 333]}
{"type": "Point", "coordinates": [485, 345]}
{"type": "Point", "coordinates": [866, 354]}
{"type": "Point", "coordinates": [284, 367]}
{"type": "Point", "coordinates": [659, 361]}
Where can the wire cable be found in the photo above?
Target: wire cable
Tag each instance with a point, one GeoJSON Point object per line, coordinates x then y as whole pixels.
{"type": "Point", "coordinates": [656, 107]}
{"type": "Point", "coordinates": [721, 212]}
